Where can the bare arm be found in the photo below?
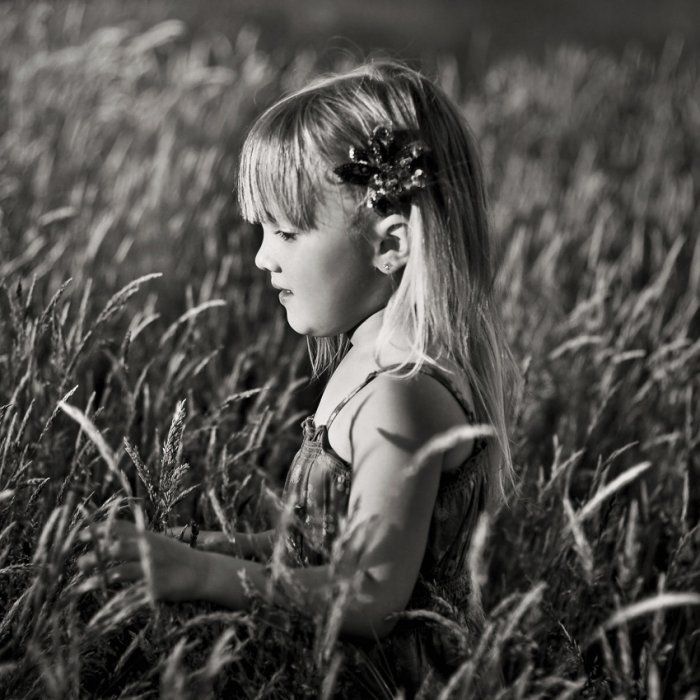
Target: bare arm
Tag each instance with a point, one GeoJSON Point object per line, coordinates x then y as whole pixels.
{"type": "Point", "coordinates": [245, 545]}
{"type": "Point", "coordinates": [220, 583]}
{"type": "Point", "coordinates": [220, 563]}
{"type": "Point", "coordinates": [389, 430]}
{"type": "Point", "coordinates": [397, 500]}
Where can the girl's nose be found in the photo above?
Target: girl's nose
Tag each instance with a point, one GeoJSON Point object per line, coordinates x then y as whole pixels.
{"type": "Point", "coordinates": [263, 261]}
{"type": "Point", "coordinates": [259, 259]}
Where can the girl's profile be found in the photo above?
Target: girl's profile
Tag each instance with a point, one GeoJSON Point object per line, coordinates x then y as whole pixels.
{"type": "Point", "coordinates": [368, 189]}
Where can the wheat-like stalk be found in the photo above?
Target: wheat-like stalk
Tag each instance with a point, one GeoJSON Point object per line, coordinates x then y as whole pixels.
{"type": "Point", "coordinates": [112, 168]}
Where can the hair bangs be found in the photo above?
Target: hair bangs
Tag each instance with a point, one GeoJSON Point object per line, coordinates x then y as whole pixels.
{"type": "Point", "coordinates": [278, 178]}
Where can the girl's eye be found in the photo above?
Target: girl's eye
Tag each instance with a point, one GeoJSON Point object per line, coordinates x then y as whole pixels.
{"type": "Point", "coordinates": [285, 236]}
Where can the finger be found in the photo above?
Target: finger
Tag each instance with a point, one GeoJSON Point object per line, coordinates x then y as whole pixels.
{"type": "Point", "coordinates": [124, 573]}
{"type": "Point", "coordinates": [124, 550]}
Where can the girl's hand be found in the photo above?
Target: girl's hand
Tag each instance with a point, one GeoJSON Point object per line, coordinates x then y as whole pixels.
{"type": "Point", "coordinates": [176, 568]}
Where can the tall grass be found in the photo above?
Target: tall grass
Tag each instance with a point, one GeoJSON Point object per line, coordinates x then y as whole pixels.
{"type": "Point", "coordinates": [143, 360]}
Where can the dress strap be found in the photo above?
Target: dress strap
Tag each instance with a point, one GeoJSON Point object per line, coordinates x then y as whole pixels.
{"type": "Point", "coordinates": [427, 369]}
{"type": "Point", "coordinates": [367, 380]}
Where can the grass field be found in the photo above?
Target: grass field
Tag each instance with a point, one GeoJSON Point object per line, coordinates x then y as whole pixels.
{"type": "Point", "coordinates": [128, 286]}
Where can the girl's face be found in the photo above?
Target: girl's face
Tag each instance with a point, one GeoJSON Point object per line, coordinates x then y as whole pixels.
{"type": "Point", "coordinates": [334, 278]}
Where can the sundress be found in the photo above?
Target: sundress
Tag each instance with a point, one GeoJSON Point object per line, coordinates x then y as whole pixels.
{"type": "Point", "coordinates": [319, 481]}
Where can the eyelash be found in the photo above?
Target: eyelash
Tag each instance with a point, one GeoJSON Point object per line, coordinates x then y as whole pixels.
{"type": "Point", "coordinates": [285, 236]}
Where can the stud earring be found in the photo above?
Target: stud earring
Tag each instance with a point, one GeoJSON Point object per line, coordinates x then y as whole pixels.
{"type": "Point", "coordinates": [387, 267]}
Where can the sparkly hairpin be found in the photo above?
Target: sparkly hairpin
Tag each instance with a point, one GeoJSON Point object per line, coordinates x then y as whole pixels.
{"type": "Point", "coordinates": [392, 165]}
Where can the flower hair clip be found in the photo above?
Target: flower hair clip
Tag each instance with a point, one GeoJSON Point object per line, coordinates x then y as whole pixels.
{"type": "Point", "coordinates": [391, 165]}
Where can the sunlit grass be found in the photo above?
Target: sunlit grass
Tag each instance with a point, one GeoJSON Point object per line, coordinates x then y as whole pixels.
{"type": "Point", "coordinates": [142, 353]}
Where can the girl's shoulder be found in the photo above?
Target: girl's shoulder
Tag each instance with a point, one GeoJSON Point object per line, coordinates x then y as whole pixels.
{"type": "Point", "coordinates": [359, 384]}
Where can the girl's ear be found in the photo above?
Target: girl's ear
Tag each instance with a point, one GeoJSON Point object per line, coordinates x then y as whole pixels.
{"type": "Point", "coordinates": [391, 243]}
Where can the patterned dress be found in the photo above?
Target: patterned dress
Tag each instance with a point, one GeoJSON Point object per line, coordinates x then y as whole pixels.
{"type": "Point", "coordinates": [319, 482]}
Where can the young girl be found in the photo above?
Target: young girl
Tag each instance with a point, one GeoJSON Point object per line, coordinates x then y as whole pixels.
{"type": "Point", "coordinates": [370, 194]}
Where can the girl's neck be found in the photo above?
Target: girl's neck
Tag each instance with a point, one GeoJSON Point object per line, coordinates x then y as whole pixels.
{"type": "Point", "coordinates": [363, 335]}
{"type": "Point", "coordinates": [363, 339]}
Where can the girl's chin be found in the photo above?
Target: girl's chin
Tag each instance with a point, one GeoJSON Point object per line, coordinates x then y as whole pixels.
{"type": "Point", "coordinates": [300, 324]}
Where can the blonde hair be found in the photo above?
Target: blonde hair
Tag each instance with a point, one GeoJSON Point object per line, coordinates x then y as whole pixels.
{"type": "Point", "coordinates": [445, 293]}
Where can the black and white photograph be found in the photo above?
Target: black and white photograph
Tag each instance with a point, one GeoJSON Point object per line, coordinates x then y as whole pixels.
{"type": "Point", "coordinates": [350, 349]}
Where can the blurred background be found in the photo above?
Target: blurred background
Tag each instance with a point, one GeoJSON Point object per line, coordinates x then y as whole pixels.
{"type": "Point", "coordinates": [475, 32]}
{"type": "Point", "coordinates": [128, 285]}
